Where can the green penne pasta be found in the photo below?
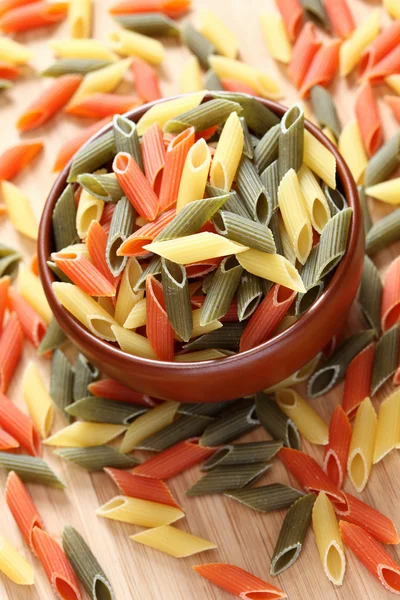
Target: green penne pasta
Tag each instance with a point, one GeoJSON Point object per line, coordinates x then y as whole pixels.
{"type": "Point", "coordinates": [251, 189]}
{"type": "Point", "coordinates": [153, 268]}
{"type": "Point", "coordinates": [314, 286]}
{"type": "Point", "coordinates": [214, 112]}
{"type": "Point", "coordinates": [52, 339]}
{"type": "Point", "coordinates": [242, 454]}
{"type": "Point", "coordinates": [105, 187]}
{"type": "Point", "coordinates": [207, 409]}
{"type": "Point", "coordinates": [9, 261]}
{"type": "Point", "coordinates": [31, 469]}
{"type": "Point", "coordinates": [222, 290]}
{"type": "Point", "coordinates": [276, 422]}
{"type": "Point", "coordinates": [5, 84]}
{"type": "Point", "coordinates": [386, 358]}
{"type": "Point", "coordinates": [292, 534]}
{"type": "Point", "coordinates": [177, 298]}
{"type": "Point", "coordinates": [316, 11]}
{"type": "Point", "coordinates": [153, 24]}
{"type": "Point", "coordinates": [207, 281]}
{"type": "Point", "coordinates": [267, 149]}
{"type": "Point", "coordinates": [81, 66]}
{"type": "Point", "coordinates": [230, 477]}
{"type": "Point", "coordinates": [334, 369]}
{"type": "Point", "coordinates": [266, 285]}
{"type": "Point", "coordinates": [384, 232]}
{"type": "Point", "coordinates": [335, 199]}
{"type": "Point", "coordinates": [245, 231]}
{"type": "Point", "coordinates": [370, 296]}
{"type": "Point", "coordinates": [225, 338]}
{"type": "Point", "coordinates": [126, 138]}
{"type": "Point", "coordinates": [227, 428]}
{"type": "Point", "coordinates": [248, 149]}
{"type": "Point", "coordinates": [365, 209]}
{"type": "Point", "coordinates": [85, 565]}
{"type": "Point", "coordinates": [197, 44]}
{"type": "Point", "coordinates": [64, 220]}
{"type": "Point", "coordinates": [185, 427]}
{"type": "Point", "coordinates": [85, 373]}
{"type": "Point", "coordinates": [57, 272]}
{"type": "Point", "coordinates": [333, 243]}
{"type": "Point", "coordinates": [101, 410]}
{"type": "Point", "coordinates": [122, 223]}
{"type": "Point", "coordinates": [96, 458]}
{"type": "Point", "coordinates": [384, 162]}
{"type": "Point", "coordinates": [258, 117]}
{"type": "Point", "coordinates": [270, 180]}
{"type": "Point", "coordinates": [266, 498]}
{"type": "Point", "coordinates": [61, 382]}
{"type": "Point", "coordinates": [323, 105]}
{"type": "Point", "coordinates": [233, 203]}
{"type": "Point", "coordinates": [291, 140]}
{"type": "Point", "coordinates": [275, 227]}
{"type": "Point", "coordinates": [212, 81]}
{"type": "Point", "coordinates": [249, 295]}
{"type": "Point", "coordinates": [92, 156]}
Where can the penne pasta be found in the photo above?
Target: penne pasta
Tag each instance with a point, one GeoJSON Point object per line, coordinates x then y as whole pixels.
{"type": "Point", "coordinates": [101, 81]}
{"type": "Point", "coordinates": [153, 150]}
{"type": "Point", "coordinates": [185, 427]}
{"type": "Point", "coordinates": [388, 429]}
{"type": "Point", "coordinates": [139, 512]}
{"type": "Point", "coordinates": [19, 210]}
{"type": "Point", "coordinates": [144, 488]}
{"type": "Point", "coordinates": [266, 498]}
{"type": "Point", "coordinates": [149, 23]}
{"type": "Point", "coordinates": [227, 68]}
{"type": "Point", "coordinates": [325, 111]}
{"type": "Point", "coordinates": [314, 198]}
{"type": "Point", "coordinates": [175, 159]}
{"type": "Point", "coordinates": [352, 148]}
{"type": "Point", "coordinates": [16, 158]}
{"type": "Point", "coordinates": [85, 373]}
{"type": "Point", "coordinates": [194, 175]}
{"type": "Point", "coordinates": [37, 399]}
{"type": "Point", "coordinates": [165, 111]}
{"type": "Point", "coordinates": [114, 390]}
{"type": "Point", "coordinates": [135, 186]}
{"type": "Point", "coordinates": [340, 17]}
{"type": "Point", "coordinates": [319, 159]}
{"type": "Point", "coordinates": [172, 541]}
{"type": "Point", "coordinates": [386, 191]}
{"type": "Point", "coordinates": [30, 469]}
{"type": "Point", "coordinates": [272, 267]}
{"type": "Point", "coordinates": [370, 296]}
{"type": "Point", "coordinates": [310, 425]}
{"type": "Point", "coordinates": [238, 582]}
{"type": "Point", "coordinates": [11, 345]}
{"type": "Point", "coordinates": [230, 477]}
{"type": "Point", "coordinates": [80, 18]}
{"type": "Point", "coordinates": [337, 448]}
{"type": "Point", "coordinates": [83, 435]}
{"type": "Point", "coordinates": [327, 537]}
{"type": "Point", "coordinates": [22, 508]}
{"type": "Point", "coordinates": [83, 49]}
{"type": "Point", "coordinates": [352, 49]}
{"type": "Point", "coordinates": [14, 52]}
{"type": "Point", "coordinates": [304, 50]}
{"type": "Point", "coordinates": [275, 37]}
{"type": "Point", "coordinates": [386, 358]}
{"type": "Point", "coordinates": [148, 424]}
{"type": "Point", "coordinates": [159, 330]}
{"type": "Point", "coordinates": [357, 383]}
{"type": "Point", "coordinates": [389, 305]}
{"type": "Point", "coordinates": [368, 119]}
{"type": "Point", "coordinates": [292, 15]}
{"type": "Point", "coordinates": [96, 458]}
{"type": "Point", "coordinates": [98, 106]}
{"type": "Point", "coordinates": [362, 445]}
{"type": "Point", "coordinates": [131, 43]}
{"type": "Point", "coordinates": [392, 8]}
{"type": "Point", "coordinates": [197, 43]}
{"type": "Point", "coordinates": [30, 288]}
{"type": "Point", "coordinates": [133, 343]}
{"type": "Point", "coordinates": [84, 274]}
{"type": "Point", "coordinates": [195, 248]}
{"type": "Point", "coordinates": [322, 68]}
{"type": "Point", "coordinates": [14, 566]}
{"type": "Point", "coordinates": [32, 16]}
{"type": "Point", "coordinates": [295, 215]}
{"type": "Point", "coordinates": [216, 31]}
{"type": "Point", "coordinates": [172, 8]}
{"type": "Point", "coordinates": [72, 145]}
{"type": "Point", "coordinates": [146, 80]}
{"type": "Point", "coordinates": [33, 326]}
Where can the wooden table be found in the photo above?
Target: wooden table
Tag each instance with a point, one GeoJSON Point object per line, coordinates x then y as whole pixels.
{"type": "Point", "coordinates": [244, 538]}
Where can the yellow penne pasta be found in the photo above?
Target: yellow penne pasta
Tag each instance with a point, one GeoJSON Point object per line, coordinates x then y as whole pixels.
{"type": "Point", "coordinates": [287, 247]}
{"type": "Point", "coordinates": [314, 197]}
{"type": "Point", "coordinates": [137, 315]}
{"type": "Point", "coordinates": [327, 537]}
{"type": "Point", "coordinates": [14, 52]}
{"type": "Point", "coordinates": [319, 159]}
{"type": "Point", "coordinates": [275, 37]}
{"type": "Point", "coordinates": [194, 174]}
{"type": "Point", "coordinates": [147, 424]}
{"type": "Point", "coordinates": [393, 8]}
{"type": "Point", "coordinates": [79, 249]}
{"type": "Point", "coordinates": [82, 434]}
{"type": "Point", "coordinates": [108, 305]}
{"type": "Point", "coordinates": [295, 215]}
{"type": "Point", "coordinates": [82, 49]}
{"type": "Point", "coordinates": [130, 43]}
{"type": "Point", "coordinates": [330, 135]}
{"type": "Point", "coordinates": [80, 18]}
{"type": "Point", "coordinates": [388, 430]}
{"type": "Point", "coordinates": [102, 80]}
{"type": "Point", "coordinates": [388, 191]}
{"type": "Point", "coordinates": [84, 308]}
{"type": "Point", "coordinates": [164, 111]}
{"type": "Point", "coordinates": [37, 399]}
{"type": "Point", "coordinates": [133, 343]}
{"type": "Point", "coordinates": [30, 288]}
{"type": "Point", "coordinates": [216, 31]}
{"type": "Point", "coordinates": [301, 375]}
{"type": "Point", "coordinates": [394, 82]}
{"type": "Point", "coordinates": [202, 329]}
{"type": "Point", "coordinates": [351, 50]}
{"type": "Point", "coordinates": [139, 512]}
{"type": "Point", "coordinates": [127, 298]}
{"type": "Point", "coordinates": [351, 147]}
{"type": "Point", "coordinates": [195, 248]}
{"type": "Point", "coordinates": [200, 355]}
{"type": "Point", "coordinates": [89, 209]}
{"type": "Point", "coordinates": [14, 566]}
{"type": "Point", "coordinates": [172, 541]}
{"type": "Point", "coordinates": [362, 445]}
{"type": "Point", "coordinates": [234, 69]}
{"type": "Point", "coordinates": [191, 79]}
{"type": "Point", "coordinates": [273, 267]}
{"type": "Point", "coordinates": [228, 153]}
{"type": "Point", "coordinates": [19, 210]}
{"type": "Point", "coordinates": [309, 423]}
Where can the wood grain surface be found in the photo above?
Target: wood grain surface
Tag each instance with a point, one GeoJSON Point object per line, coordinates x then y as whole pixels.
{"type": "Point", "coordinates": [244, 537]}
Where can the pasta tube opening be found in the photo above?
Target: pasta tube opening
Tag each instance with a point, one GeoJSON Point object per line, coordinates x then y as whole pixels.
{"type": "Point", "coordinates": [334, 563]}
{"type": "Point", "coordinates": [64, 589]}
{"type": "Point", "coordinates": [325, 379]}
{"type": "Point", "coordinates": [199, 154]}
{"type": "Point", "coordinates": [286, 559]}
{"type": "Point", "coordinates": [102, 328]}
{"type": "Point", "coordinates": [319, 214]}
{"type": "Point", "coordinates": [389, 578]}
{"type": "Point", "coordinates": [358, 469]}
{"type": "Point", "coordinates": [101, 590]}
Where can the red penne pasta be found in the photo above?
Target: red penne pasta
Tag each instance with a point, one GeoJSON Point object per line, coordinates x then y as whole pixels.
{"type": "Point", "coordinates": [20, 426]}
{"type": "Point", "coordinates": [98, 106]}
{"type": "Point", "coordinates": [137, 486]}
{"type": "Point", "coordinates": [389, 65]}
{"type": "Point", "coordinates": [357, 512]}
{"type": "Point", "coordinates": [232, 85]}
{"type": "Point", "coordinates": [394, 104]}
{"type": "Point", "coordinates": [292, 14]}
{"type": "Point", "coordinates": [388, 39]}
{"type": "Point", "coordinates": [133, 245]}
{"type": "Point", "coordinates": [337, 448]}
{"type": "Point", "coordinates": [172, 8]}
{"type": "Point", "coordinates": [32, 16]}
{"type": "Point", "coordinates": [84, 274]}
{"type": "Point", "coordinates": [6, 5]}
{"type": "Point", "coordinates": [309, 474]}
{"type": "Point", "coordinates": [106, 217]}
{"type": "Point", "coordinates": [22, 508]}
{"type": "Point", "coordinates": [96, 243]}
{"type": "Point", "coordinates": [11, 344]}
{"type": "Point", "coordinates": [368, 119]}
{"type": "Point", "coordinates": [8, 70]}
{"type": "Point", "coordinates": [267, 317]}
{"type": "Point", "coordinates": [372, 555]}
{"type": "Point", "coordinates": [135, 185]}
{"type": "Point", "coordinates": [49, 102]}
{"type": "Point", "coordinates": [174, 460]}
{"type": "Point", "coordinates": [390, 307]}
{"type": "Point", "coordinates": [16, 158]}
{"type": "Point", "coordinates": [32, 324]}
{"type": "Point", "coordinates": [206, 134]}
{"type": "Point", "coordinates": [58, 570]}
{"type": "Point", "coordinates": [71, 146]}
{"type": "Point", "coordinates": [323, 67]}
{"type": "Point", "coordinates": [200, 269]}
{"type": "Point", "coordinates": [238, 582]}
{"type": "Point", "coordinates": [34, 265]}
{"type": "Point", "coordinates": [304, 50]}
{"type": "Point", "coordinates": [146, 80]}
{"type": "Point", "coordinates": [357, 383]}
{"type": "Point", "coordinates": [340, 17]}
{"type": "Point", "coordinates": [174, 163]}
{"type": "Point", "coordinates": [153, 152]}
{"type": "Point", "coordinates": [114, 390]}
{"type": "Point", "coordinates": [7, 442]}
{"type": "Point", "coordinates": [4, 287]}
{"type": "Point", "coordinates": [158, 327]}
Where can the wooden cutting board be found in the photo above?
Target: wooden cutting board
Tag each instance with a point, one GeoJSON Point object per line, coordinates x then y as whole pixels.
{"type": "Point", "coordinates": [244, 538]}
